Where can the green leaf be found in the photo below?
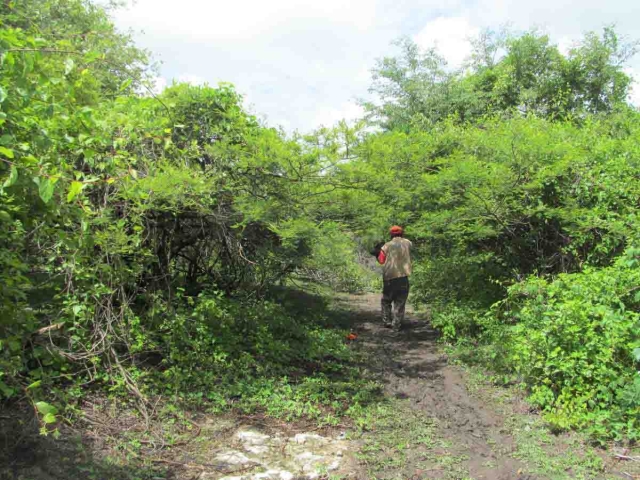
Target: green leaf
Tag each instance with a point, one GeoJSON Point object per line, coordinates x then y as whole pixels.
{"type": "Point", "coordinates": [3, 95]}
{"type": "Point", "coordinates": [14, 345]}
{"type": "Point", "coordinates": [68, 66]}
{"type": "Point", "coordinates": [7, 391]}
{"type": "Point", "coordinates": [6, 152]}
{"type": "Point", "coordinates": [46, 408]}
{"type": "Point", "coordinates": [636, 354]}
{"type": "Point", "coordinates": [45, 189]}
{"type": "Point", "coordinates": [75, 188]}
{"type": "Point", "coordinates": [124, 85]}
{"type": "Point", "coordinates": [13, 177]}
{"type": "Point", "coordinates": [35, 384]}
{"type": "Point", "coordinates": [49, 418]}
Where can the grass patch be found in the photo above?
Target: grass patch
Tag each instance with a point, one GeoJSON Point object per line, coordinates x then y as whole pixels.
{"type": "Point", "coordinates": [398, 442]}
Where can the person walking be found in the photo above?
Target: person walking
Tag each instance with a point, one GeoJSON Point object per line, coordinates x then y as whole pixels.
{"type": "Point", "coordinates": [395, 258]}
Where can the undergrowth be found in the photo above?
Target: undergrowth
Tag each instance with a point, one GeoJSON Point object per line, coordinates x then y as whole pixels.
{"type": "Point", "coordinates": [573, 343]}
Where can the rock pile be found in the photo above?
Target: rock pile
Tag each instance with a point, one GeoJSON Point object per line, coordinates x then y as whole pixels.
{"type": "Point", "coordinates": [257, 456]}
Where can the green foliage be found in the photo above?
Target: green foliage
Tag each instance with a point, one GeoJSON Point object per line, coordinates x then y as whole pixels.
{"type": "Point", "coordinates": [256, 354]}
{"type": "Point", "coordinates": [507, 73]}
{"type": "Point", "coordinates": [487, 205]}
{"type": "Point", "coordinates": [456, 322]}
{"type": "Point", "coordinates": [141, 235]}
{"type": "Point", "coordinates": [571, 341]}
{"type": "Point", "coordinates": [337, 262]}
{"type": "Point", "coordinates": [517, 180]}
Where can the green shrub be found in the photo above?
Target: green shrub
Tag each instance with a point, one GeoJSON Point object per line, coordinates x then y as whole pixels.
{"type": "Point", "coordinates": [248, 354]}
{"type": "Point", "coordinates": [456, 322]}
{"type": "Point", "coordinates": [574, 342]}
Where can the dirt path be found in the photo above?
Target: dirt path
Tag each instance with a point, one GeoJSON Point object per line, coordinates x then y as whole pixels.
{"type": "Point", "coordinates": [454, 424]}
{"type": "Point", "coordinates": [411, 366]}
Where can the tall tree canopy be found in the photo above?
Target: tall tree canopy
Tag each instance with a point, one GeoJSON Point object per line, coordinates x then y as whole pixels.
{"type": "Point", "coordinates": [525, 74]}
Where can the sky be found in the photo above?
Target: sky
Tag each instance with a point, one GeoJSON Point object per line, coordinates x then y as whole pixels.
{"type": "Point", "coordinates": [301, 64]}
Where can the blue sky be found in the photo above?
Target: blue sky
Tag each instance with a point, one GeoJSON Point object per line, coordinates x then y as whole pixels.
{"type": "Point", "coordinates": [301, 64]}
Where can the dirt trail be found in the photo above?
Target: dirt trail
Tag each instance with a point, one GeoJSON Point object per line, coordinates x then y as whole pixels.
{"type": "Point", "coordinates": [411, 366]}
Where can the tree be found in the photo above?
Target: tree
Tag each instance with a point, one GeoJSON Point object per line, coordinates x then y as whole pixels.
{"type": "Point", "coordinates": [415, 89]}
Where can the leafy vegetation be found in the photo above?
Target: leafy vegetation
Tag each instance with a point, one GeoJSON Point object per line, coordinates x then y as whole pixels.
{"type": "Point", "coordinates": [517, 178]}
{"type": "Point", "coordinates": [143, 235]}
{"type": "Point", "coordinates": [575, 341]}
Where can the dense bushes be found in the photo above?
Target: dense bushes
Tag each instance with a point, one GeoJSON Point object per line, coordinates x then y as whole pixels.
{"type": "Point", "coordinates": [517, 179]}
{"type": "Point", "coordinates": [575, 342]}
{"type": "Point", "coordinates": [122, 214]}
{"type": "Point", "coordinates": [140, 235]}
{"type": "Point", "coordinates": [538, 212]}
{"type": "Point", "coordinates": [223, 353]}
{"type": "Point", "coordinates": [488, 205]}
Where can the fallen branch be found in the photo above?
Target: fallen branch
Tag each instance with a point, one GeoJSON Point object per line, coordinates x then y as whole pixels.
{"type": "Point", "coordinates": [131, 385]}
{"type": "Point", "coordinates": [177, 444]}
{"type": "Point", "coordinates": [55, 326]}
{"type": "Point", "coordinates": [625, 457]}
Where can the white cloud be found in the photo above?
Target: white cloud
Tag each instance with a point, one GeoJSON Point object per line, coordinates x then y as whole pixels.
{"type": "Point", "coordinates": [329, 116]}
{"type": "Point", "coordinates": [451, 36]}
{"type": "Point", "coordinates": [634, 95]}
{"type": "Point", "coordinates": [566, 43]}
{"type": "Point", "coordinates": [190, 78]}
{"type": "Point", "coordinates": [240, 19]}
{"type": "Point", "coordinates": [159, 84]}
{"type": "Point", "coordinates": [302, 62]}
{"type": "Point", "coordinates": [298, 60]}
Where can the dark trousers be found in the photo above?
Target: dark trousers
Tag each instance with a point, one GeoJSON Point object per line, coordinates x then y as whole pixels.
{"type": "Point", "coordinates": [395, 292]}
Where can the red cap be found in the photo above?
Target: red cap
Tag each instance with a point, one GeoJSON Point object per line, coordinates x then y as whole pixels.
{"type": "Point", "coordinates": [396, 230]}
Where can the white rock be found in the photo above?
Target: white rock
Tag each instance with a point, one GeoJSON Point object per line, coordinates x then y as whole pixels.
{"type": "Point", "coordinates": [256, 449]}
{"type": "Point", "coordinates": [302, 438]}
{"type": "Point", "coordinates": [273, 475]}
{"type": "Point", "coordinates": [308, 457]}
{"type": "Point", "coordinates": [253, 438]}
{"type": "Point", "coordinates": [309, 462]}
{"type": "Point", "coordinates": [335, 465]}
{"type": "Point", "coordinates": [263, 476]}
{"type": "Point", "coordinates": [233, 457]}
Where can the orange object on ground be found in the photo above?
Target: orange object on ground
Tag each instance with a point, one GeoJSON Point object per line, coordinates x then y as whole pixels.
{"type": "Point", "coordinates": [352, 336]}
